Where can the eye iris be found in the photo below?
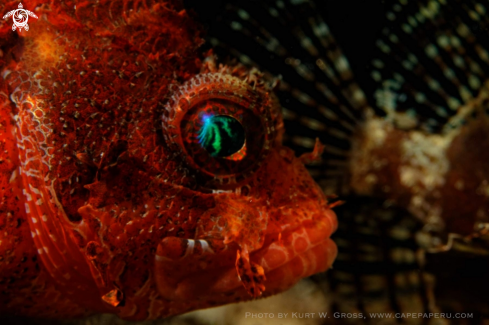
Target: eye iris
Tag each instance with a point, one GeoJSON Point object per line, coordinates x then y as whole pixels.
{"type": "Point", "coordinates": [221, 135]}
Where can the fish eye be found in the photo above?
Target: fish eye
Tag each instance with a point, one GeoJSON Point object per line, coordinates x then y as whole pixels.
{"type": "Point", "coordinates": [222, 136]}
{"type": "Point", "coordinates": [222, 127]}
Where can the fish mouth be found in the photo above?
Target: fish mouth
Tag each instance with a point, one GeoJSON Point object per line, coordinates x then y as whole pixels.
{"type": "Point", "coordinates": [285, 258]}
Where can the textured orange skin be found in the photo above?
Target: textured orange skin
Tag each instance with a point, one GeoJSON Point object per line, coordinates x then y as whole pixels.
{"type": "Point", "coordinates": [111, 193]}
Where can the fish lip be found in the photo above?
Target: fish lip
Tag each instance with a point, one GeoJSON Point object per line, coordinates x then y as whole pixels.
{"type": "Point", "coordinates": [223, 282]}
{"type": "Point", "coordinates": [282, 277]}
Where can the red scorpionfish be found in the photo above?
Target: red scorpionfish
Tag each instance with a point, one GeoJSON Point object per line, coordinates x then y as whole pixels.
{"type": "Point", "coordinates": [139, 179]}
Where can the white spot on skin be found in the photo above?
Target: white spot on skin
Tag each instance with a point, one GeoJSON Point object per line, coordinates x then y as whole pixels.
{"type": "Point", "coordinates": [39, 251]}
{"type": "Point", "coordinates": [27, 195]}
{"type": "Point", "coordinates": [159, 258]}
{"type": "Point", "coordinates": [34, 190]}
{"type": "Point", "coordinates": [190, 247]}
{"type": "Point", "coordinates": [13, 176]}
{"type": "Point", "coordinates": [221, 191]}
{"type": "Point", "coordinates": [205, 246]}
{"type": "Point", "coordinates": [44, 218]}
{"type": "Point", "coordinates": [34, 220]}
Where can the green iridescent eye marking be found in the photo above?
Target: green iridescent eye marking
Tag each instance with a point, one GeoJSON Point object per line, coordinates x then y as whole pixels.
{"type": "Point", "coordinates": [221, 135]}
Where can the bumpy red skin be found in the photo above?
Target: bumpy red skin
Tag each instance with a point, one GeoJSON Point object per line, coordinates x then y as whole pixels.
{"type": "Point", "coordinates": [96, 208]}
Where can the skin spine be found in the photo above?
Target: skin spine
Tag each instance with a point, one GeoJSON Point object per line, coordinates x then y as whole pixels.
{"type": "Point", "coordinates": [108, 204]}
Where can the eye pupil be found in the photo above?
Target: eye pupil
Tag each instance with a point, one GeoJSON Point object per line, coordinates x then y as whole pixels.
{"type": "Point", "coordinates": [221, 135]}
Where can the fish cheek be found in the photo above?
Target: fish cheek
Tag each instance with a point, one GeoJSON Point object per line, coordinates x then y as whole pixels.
{"type": "Point", "coordinates": [72, 190]}
{"type": "Point", "coordinates": [285, 181]}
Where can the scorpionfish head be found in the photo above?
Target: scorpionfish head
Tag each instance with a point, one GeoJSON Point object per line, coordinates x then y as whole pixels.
{"type": "Point", "coordinates": [266, 223]}
{"type": "Point", "coordinates": [156, 183]}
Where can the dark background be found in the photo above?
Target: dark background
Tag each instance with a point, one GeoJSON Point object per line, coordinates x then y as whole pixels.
{"type": "Point", "coordinates": [354, 24]}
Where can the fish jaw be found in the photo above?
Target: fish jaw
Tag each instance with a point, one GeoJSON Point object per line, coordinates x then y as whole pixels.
{"type": "Point", "coordinates": [187, 269]}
